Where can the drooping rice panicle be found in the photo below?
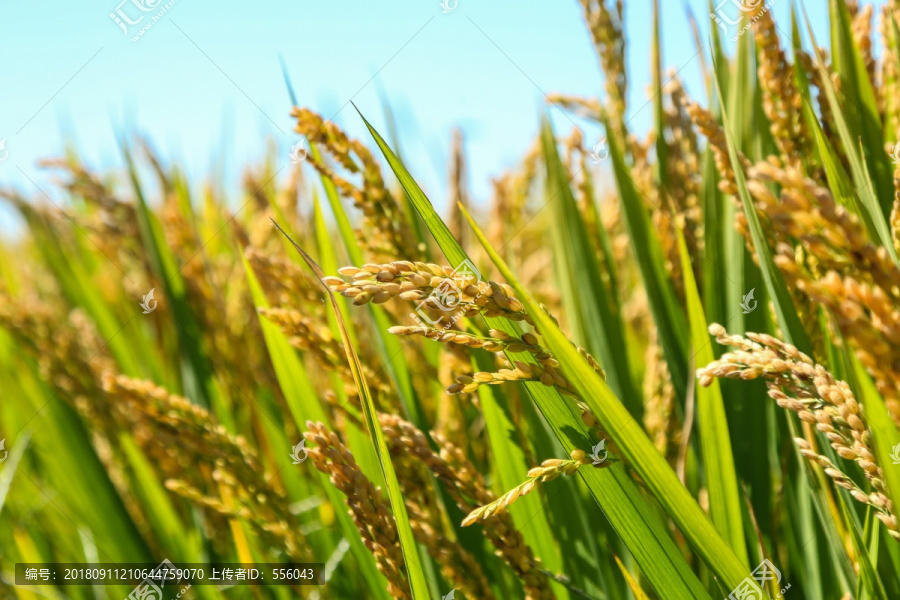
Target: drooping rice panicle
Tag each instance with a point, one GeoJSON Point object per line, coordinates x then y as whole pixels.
{"type": "Point", "coordinates": [781, 99]}
{"type": "Point", "coordinates": [825, 253]}
{"type": "Point", "coordinates": [660, 418]}
{"type": "Point", "coordinates": [796, 383]}
{"type": "Point", "coordinates": [370, 511]}
{"type": "Point", "coordinates": [373, 198]}
{"type": "Point", "coordinates": [463, 481]}
{"type": "Point", "coordinates": [440, 289]}
{"type": "Point", "coordinates": [549, 470]}
{"type": "Point", "coordinates": [457, 564]}
{"type": "Point", "coordinates": [606, 27]}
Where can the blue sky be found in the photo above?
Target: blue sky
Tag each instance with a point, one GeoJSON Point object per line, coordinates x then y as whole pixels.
{"type": "Point", "coordinates": [204, 83]}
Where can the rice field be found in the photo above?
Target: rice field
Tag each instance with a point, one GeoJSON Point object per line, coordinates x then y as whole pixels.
{"type": "Point", "coordinates": [661, 365]}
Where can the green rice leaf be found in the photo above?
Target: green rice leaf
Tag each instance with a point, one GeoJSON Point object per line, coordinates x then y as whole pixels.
{"type": "Point", "coordinates": [197, 370]}
{"type": "Point", "coordinates": [869, 582]}
{"type": "Point", "coordinates": [718, 461]}
{"type": "Point", "coordinates": [781, 298]}
{"type": "Point", "coordinates": [585, 295]}
{"type": "Point", "coordinates": [861, 107]}
{"type": "Point", "coordinates": [302, 401]}
{"type": "Point", "coordinates": [613, 489]}
{"type": "Point", "coordinates": [874, 212]}
{"type": "Point", "coordinates": [887, 437]}
{"type": "Point", "coordinates": [418, 586]}
{"type": "Point", "coordinates": [628, 435]}
{"type": "Point", "coordinates": [667, 314]}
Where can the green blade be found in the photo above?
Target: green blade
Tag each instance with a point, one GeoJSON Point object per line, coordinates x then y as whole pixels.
{"type": "Point", "coordinates": [861, 107]}
{"type": "Point", "coordinates": [197, 370]}
{"type": "Point", "coordinates": [875, 213]}
{"type": "Point", "coordinates": [418, 586]}
{"type": "Point", "coordinates": [718, 461]}
{"type": "Point", "coordinates": [628, 435]}
{"type": "Point", "coordinates": [775, 285]}
{"type": "Point", "coordinates": [302, 401]}
{"type": "Point", "coordinates": [613, 489]}
{"type": "Point", "coordinates": [389, 348]}
{"type": "Point", "coordinates": [667, 313]}
{"type": "Point", "coordinates": [587, 298]}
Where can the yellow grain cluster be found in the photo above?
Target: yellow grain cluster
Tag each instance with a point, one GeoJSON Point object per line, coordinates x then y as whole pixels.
{"type": "Point", "coordinates": [796, 383]}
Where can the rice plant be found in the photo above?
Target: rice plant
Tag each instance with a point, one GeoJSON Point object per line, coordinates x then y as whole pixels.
{"type": "Point", "coordinates": [684, 387]}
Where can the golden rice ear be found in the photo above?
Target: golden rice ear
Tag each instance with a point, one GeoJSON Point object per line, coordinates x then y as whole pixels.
{"type": "Point", "coordinates": [782, 102]}
{"type": "Point", "coordinates": [370, 510]}
{"type": "Point", "coordinates": [549, 470]}
{"type": "Point", "coordinates": [381, 209]}
{"type": "Point", "coordinates": [800, 385]}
